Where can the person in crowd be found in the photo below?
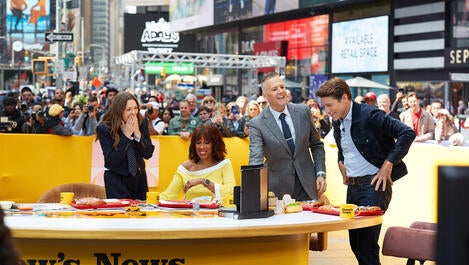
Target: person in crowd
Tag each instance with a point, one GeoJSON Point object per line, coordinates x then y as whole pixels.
{"type": "Point", "coordinates": [207, 172]}
{"type": "Point", "coordinates": [289, 96]}
{"type": "Point", "coordinates": [461, 107]}
{"type": "Point", "coordinates": [221, 121]}
{"type": "Point", "coordinates": [156, 124]}
{"type": "Point", "coordinates": [87, 121]}
{"type": "Point", "coordinates": [370, 162]}
{"type": "Point", "coordinates": [242, 102]}
{"type": "Point", "coordinates": [68, 98]}
{"type": "Point", "coordinates": [59, 98]}
{"type": "Point", "coordinates": [111, 92]}
{"type": "Point", "coordinates": [418, 119]}
{"type": "Point", "coordinates": [262, 102]}
{"type": "Point", "coordinates": [252, 110]}
{"type": "Point", "coordinates": [445, 129]}
{"type": "Point", "coordinates": [233, 114]}
{"type": "Point", "coordinates": [71, 120]}
{"type": "Point", "coordinates": [184, 124]}
{"type": "Point", "coordinates": [370, 98]}
{"type": "Point", "coordinates": [37, 120]}
{"type": "Point", "coordinates": [166, 116]}
{"type": "Point", "coordinates": [9, 254]}
{"type": "Point", "coordinates": [204, 114]}
{"type": "Point", "coordinates": [384, 104]}
{"type": "Point", "coordinates": [14, 115]}
{"type": "Point", "coordinates": [192, 100]}
{"type": "Point", "coordinates": [125, 141]}
{"type": "Point", "coordinates": [27, 98]}
{"type": "Point", "coordinates": [436, 106]}
{"type": "Point", "coordinates": [321, 121]}
{"type": "Point", "coordinates": [54, 124]}
{"type": "Point", "coordinates": [400, 103]}
{"type": "Point", "coordinates": [153, 99]}
{"type": "Point", "coordinates": [209, 101]}
{"type": "Point", "coordinates": [291, 148]}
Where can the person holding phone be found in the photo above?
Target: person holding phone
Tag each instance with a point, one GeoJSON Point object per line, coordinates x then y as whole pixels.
{"type": "Point", "coordinates": [220, 120]}
{"type": "Point", "coordinates": [87, 121]}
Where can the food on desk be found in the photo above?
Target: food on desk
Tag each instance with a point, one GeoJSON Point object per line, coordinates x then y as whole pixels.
{"type": "Point", "coordinates": [335, 210]}
{"type": "Point", "coordinates": [293, 208]}
{"type": "Point", "coordinates": [90, 201]}
{"type": "Point", "coordinates": [95, 203]}
{"type": "Point", "coordinates": [308, 205]}
{"type": "Point", "coordinates": [188, 204]}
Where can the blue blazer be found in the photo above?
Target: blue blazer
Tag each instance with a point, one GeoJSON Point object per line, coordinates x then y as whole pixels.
{"type": "Point", "coordinates": [378, 137]}
{"type": "Point", "coordinates": [119, 183]}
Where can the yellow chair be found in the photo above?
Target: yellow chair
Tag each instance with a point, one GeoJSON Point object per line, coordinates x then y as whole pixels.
{"type": "Point", "coordinates": [81, 190]}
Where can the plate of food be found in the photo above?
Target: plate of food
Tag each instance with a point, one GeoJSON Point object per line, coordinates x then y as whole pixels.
{"type": "Point", "coordinates": [96, 203]}
{"type": "Point", "coordinates": [309, 205]}
{"type": "Point", "coordinates": [335, 210]}
{"type": "Point", "coordinates": [188, 204]}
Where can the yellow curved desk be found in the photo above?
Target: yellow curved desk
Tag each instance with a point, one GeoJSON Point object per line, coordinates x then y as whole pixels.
{"type": "Point", "coordinates": [281, 239]}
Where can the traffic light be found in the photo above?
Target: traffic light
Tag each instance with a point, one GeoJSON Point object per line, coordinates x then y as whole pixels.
{"type": "Point", "coordinates": [78, 60]}
{"type": "Point", "coordinates": [40, 67]}
{"type": "Point", "coordinates": [26, 56]}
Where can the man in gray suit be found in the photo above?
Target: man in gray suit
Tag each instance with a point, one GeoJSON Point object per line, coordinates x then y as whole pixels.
{"type": "Point", "coordinates": [285, 136]}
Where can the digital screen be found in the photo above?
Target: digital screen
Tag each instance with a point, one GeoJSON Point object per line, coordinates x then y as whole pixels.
{"type": "Point", "coordinates": [185, 15]}
{"type": "Point", "coordinates": [27, 21]}
{"type": "Point", "coordinates": [360, 45]}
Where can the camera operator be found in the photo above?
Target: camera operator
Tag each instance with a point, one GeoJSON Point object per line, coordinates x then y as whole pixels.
{"type": "Point", "coordinates": [12, 118]}
{"type": "Point", "coordinates": [27, 99]}
{"type": "Point", "coordinates": [87, 122]}
{"type": "Point", "coordinates": [156, 125]}
{"type": "Point", "coordinates": [36, 120]}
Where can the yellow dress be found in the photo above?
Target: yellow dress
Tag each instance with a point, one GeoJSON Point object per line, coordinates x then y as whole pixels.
{"type": "Point", "coordinates": [221, 174]}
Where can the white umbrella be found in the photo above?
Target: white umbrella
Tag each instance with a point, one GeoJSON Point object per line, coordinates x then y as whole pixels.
{"type": "Point", "coordinates": [359, 81]}
{"type": "Point", "coordinates": [173, 78]}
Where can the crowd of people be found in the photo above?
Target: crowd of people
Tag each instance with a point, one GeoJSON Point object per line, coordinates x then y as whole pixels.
{"type": "Point", "coordinates": [431, 123]}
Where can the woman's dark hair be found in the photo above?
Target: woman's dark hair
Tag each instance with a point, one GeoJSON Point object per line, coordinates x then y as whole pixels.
{"type": "Point", "coordinates": [209, 133]}
{"type": "Point", "coordinates": [8, 253]}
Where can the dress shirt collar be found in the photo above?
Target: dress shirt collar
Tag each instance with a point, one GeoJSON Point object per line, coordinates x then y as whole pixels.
{"type": "Point", "coordinates": [277, 114]}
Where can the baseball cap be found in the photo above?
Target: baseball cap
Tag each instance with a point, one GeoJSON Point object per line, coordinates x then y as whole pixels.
{"type": "Point", "coordinates": [154, 104]}
{"type": "Point", "coordinates": [370, 95]}
{"type": "Point", "coordinates": [55, 110]}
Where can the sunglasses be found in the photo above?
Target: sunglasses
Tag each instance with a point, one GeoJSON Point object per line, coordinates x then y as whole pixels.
{"type": "Point", "coordinates": [209, 101]}
{"type": "Point", "coordinates": [262, 102]}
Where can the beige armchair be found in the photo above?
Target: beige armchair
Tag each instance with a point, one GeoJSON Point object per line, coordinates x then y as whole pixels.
{"type": "Point", "coordinates": [81, 190]}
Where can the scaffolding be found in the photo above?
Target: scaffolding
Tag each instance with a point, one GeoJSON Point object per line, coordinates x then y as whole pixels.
{"type": "Point", "coordinates": [135, 60]}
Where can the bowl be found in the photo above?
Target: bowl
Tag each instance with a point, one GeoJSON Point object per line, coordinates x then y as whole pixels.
{"type": "Point", "coordinates": [6, 205]}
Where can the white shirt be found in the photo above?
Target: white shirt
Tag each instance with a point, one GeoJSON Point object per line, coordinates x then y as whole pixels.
{"type": "Point", "coordinates": [287, 119]}
{"type": "Point", "coordinates": [158, 125]}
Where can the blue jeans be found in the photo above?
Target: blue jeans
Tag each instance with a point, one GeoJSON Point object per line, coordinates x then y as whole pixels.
{"type": "Point", "coordinates": [364, 241]}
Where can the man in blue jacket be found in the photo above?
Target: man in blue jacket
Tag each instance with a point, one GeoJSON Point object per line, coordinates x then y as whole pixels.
{"type": "Point", "coordinates": [371, 148]}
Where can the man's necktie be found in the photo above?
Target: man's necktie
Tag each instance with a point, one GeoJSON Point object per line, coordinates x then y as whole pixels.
{"type": "Point", "coordinates": [287, 133]}
{"type": "Point", "coordinates": [132, 160]}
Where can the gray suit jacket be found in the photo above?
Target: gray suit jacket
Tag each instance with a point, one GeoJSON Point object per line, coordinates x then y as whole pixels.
{"type": "Point", "coordinates": [267, 141]}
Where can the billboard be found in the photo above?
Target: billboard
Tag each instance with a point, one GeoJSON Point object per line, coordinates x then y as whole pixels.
{"type": "Point", "coordinates": [27, 21]}
{"type": "Point", "coordinates": [151, 32]}
{"type": "Point", "coordinates": [185, 15]}
{"type": "Point", "coordinates": [360, 45]}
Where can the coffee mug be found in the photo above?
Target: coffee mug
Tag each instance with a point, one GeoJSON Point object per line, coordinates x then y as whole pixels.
{"type": "Point", "coordinates": [349, 211]}
{"type": "Point", "coordinates": [66, 197]}
{"type": "Point", "coordinates": [153, 197]}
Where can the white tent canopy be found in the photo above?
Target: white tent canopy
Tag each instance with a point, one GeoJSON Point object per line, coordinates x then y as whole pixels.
{"type": "Point", "coordinates": [359, 81]}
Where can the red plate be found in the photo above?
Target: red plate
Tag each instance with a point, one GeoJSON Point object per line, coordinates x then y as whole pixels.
{"type": "Point", "coordinates": [186, 204]}
{"type": "Point", "coordinates": [109, 204]}
{"type": "Point", "coordinates": [334, 212]}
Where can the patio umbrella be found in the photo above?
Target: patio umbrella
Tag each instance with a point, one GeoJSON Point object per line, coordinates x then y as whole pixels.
{"type": "Point", "coordinates": [359, 81]}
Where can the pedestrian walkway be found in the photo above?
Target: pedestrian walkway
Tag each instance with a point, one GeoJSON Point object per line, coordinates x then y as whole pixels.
{"type": "Point", "coordinates": [339, 253]}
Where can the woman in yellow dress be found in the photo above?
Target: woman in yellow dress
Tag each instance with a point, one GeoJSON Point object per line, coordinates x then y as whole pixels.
{"type": "Point", "coordinates": [207, 172]}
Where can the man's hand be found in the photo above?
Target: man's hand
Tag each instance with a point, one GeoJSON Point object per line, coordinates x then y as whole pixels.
{"type": "Point", "coordinates": [321, 185]}
{"type": "Point", "coordinates": [383, 177]}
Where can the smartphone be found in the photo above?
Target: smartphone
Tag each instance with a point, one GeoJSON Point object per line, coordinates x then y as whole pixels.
{"type": "Point", "coordinates": [235, 109]}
